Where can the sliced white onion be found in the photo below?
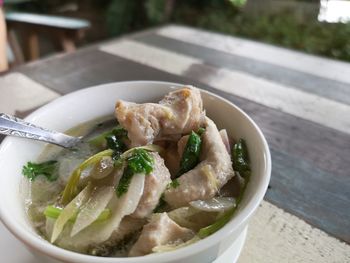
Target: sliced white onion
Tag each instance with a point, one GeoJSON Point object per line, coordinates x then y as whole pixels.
{"type": "Point", "coordinates": [216, 204]}
{"type": "Point", "coordinates": [123, 206]}
{"type": "Point", "coordinates": [93, 208]}
{"type": "Point", "coordinates": [50, 222]}
{"type": "Point", "coordinates": [182, 216]}
{"type": "Point", "coordinates": [69, 211]}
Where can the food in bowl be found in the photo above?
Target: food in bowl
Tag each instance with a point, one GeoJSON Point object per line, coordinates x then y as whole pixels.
{"type": "Point", "coordinates": [159, 177]}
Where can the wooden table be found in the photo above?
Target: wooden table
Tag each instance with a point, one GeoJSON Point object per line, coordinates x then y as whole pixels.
{"type": "Point", "coordinates": [301, 102]}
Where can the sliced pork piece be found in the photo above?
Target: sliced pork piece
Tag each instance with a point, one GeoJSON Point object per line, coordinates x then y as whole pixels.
{"type": "Point", "coordinates": [161, 230]}
{"type": "Point", "coordinates": [172, 158]}
{"type": "Point", "coordinates": [225, 140]}
{"type": "Point", "coordinates": [204, 181]}
{"type": "Point", "coordinates": [179, 112]}
{"type": "Point", "coordinates": [155, 184]}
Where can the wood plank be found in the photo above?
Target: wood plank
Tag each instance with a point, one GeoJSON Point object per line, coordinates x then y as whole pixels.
{"type": "Point", "coordinates": [89, 67]}
{"type": "Point", "coordinates": [322, 149]}
{"type": "Point", "coordinates": [271, 94]}
{"type": "Point", "coordinates": [67, 42]}
{"type": "Point", "coordinates": [21, 94]}
{"type": "Point", "coordinates": [275, 236]}
{"type": "Point", "coordinates": [324, 87]}
{"type": "Point", "coordinates": [323, 67]}
{"type": "Point", "coordinates": [16, 48]}
{"type": "Point", "coordinates": [320, 198]}
{"type": "Point", "coordinates": [33, 46]}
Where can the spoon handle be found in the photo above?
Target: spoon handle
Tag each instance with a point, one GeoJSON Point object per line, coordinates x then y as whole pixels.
{"type": "Point", "coordinates": [13, 126]}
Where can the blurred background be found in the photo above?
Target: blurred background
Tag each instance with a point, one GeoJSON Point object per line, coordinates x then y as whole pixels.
{"type": "Point", "coordinates": [314, 26]}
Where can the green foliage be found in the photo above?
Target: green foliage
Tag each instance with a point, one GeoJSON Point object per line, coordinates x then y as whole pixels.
{"type": "Point", "coordinates": [284, 29]}
{"type": "Point", "coordinates": [238, 3]}
{"type": "Point", "coordinates": [155, 10]}
{"type": "Point", "coordinates": [120, 16]}
{"type": "Point", "coordinates": [226, 16]}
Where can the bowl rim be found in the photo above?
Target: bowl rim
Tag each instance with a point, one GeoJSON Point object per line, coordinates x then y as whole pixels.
{"type": "Point", "coordinates": [48, 249]}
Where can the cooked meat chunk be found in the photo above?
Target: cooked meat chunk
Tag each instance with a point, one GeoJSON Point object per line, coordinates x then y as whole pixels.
{"type": "Point", "coordinates": [155, 184]}
{"type": "Point", "coordinates": [172, 159]}
{"type": "Point", "coordinates": [161, 230]}
{"type": "Point", "coordinates": [179, 112]}
{"type": "Point", "coordinates": [204, 181]}
{"type": "Point", "coordinates": [225, 140]}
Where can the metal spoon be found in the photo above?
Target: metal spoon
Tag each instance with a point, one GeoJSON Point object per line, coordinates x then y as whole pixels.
{"type": "Point", "coordinates": [13, 126]}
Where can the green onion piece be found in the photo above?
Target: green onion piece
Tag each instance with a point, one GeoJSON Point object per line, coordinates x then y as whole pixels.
{"type": "Point", "coordinates": [71, 187]}
{"type": "Point", "coordinates": [190, 156]}
{"type": "Point", "coordinates": [54, 212]}
{"type": "Point", "coordinates": [105, 214]}
{"type": "Point", "coordinates": [240, 158]}
{"type": "Point", "coordinates": [207, 231]}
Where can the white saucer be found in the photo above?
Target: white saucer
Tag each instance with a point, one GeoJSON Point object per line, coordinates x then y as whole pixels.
{"type": "Point", "coordinates": [12, 250]}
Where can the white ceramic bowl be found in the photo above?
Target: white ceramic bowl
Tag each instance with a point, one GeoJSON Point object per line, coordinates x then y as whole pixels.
{"type": "Point", "coordinates": [87, 104]}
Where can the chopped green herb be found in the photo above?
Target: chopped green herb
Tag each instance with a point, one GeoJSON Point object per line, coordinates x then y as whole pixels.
{"type": "Point", "coordinates": [48, 169]}
{"type": "Point", "coordinates": [174, 183]}
{"type": "Point", "coordinates": [115, 141]}
{"type": "Point", "coordinates": [190, 156]}
{"type": "Point", "coordinates": [139, 162]}
{"type": "Point", "coordinates": [118, 133]}
{"type": "Point", "coordinates": [200, 131]}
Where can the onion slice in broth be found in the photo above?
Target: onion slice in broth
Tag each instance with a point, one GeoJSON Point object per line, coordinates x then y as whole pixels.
{"type": "Point", "coordinates": [121, 207]}
{"type": "Point", "coordinates": [216, 204]}
{"type": "Point", "coordinates": [93, 208]}
{"type": "Point", "coordinates": [69, 211]}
